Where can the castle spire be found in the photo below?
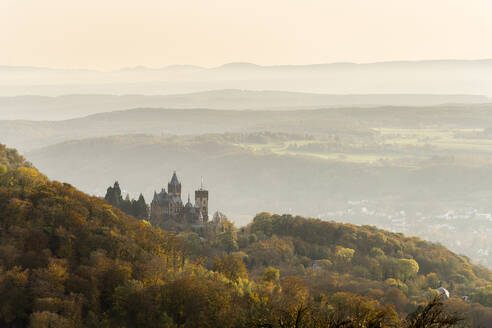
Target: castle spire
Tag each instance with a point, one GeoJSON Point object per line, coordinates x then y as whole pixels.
{"type": "Point", "coordinates": [174, 186]}
{"type": "Point", "coordinates": [201, 186]}
{"type": "Point", "coordinates": [174, 179]}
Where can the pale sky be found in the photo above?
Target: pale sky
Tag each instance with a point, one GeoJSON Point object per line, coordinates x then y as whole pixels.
{"type": "Point", "coordinates": [110, 34]}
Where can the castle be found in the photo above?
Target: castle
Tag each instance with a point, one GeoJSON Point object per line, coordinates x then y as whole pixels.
{"type": "Point", "coordinates": [168, 206]}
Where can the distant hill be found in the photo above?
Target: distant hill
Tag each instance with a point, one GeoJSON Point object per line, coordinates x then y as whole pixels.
{"type": "Point", "coordinates": [73, 106]}
{"type": "Point", "coordinates": [399, 77]}
{"type": "Point", "coordinates": [345, 121]}
{"type": "Point", "coordinates": [26, 135]}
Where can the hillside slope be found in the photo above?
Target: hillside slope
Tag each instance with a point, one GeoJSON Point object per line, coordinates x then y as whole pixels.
{"type": "Point", "coordinates": [70, 260]}
{"type": "Point", "coordinates": [11, 159]}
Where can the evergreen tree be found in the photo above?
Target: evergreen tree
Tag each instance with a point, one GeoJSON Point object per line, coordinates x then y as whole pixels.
{"type": "Point", "coordinates": [137, 208]}
{"type": "Point", "coordinates": [126, 205]}
{"type": "Point", "coordinates": [113, 195]}
{"type": "Point", "coordinates": [140, 208]}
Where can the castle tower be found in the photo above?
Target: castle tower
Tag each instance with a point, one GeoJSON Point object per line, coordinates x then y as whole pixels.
{"type": "Point", "coordinates": [174, 186]}
{"type": "Point", "coordinates": [201, 199]}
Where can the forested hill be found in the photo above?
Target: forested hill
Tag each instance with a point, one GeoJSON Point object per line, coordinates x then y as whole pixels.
{"type": "Point", "coordinates": [71, 260]}
{"type": "Point", "coordinates": [364, 253]}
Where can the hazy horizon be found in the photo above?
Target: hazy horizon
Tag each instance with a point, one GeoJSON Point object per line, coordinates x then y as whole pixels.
{"type": "Point", "coordinates": [137, 66]}
{"type": "Point", "coordinates": [152, 33]}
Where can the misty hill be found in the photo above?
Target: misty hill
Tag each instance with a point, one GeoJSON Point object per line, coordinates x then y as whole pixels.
{"type": "Point", "coordinates": [344, 122]}
{"type": "Point", "coordinates": [72, 106]}
{"type": "Point", "coordinates": [71, 260]}
{"type": "Point", "coordinates": [422, 77]}
{"type": "Point", "coordinates": [32, 134]}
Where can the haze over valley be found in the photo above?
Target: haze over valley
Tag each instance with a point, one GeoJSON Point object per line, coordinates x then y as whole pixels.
{"type": "Point", "coordinates": [390, 159]}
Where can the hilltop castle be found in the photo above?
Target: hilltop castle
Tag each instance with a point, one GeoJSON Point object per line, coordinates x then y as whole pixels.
{"type": "Point", "coordinates": [168, 206]}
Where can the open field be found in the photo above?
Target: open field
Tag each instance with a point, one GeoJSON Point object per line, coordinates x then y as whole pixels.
{"type": "Point", "coordinates": [397, 145]}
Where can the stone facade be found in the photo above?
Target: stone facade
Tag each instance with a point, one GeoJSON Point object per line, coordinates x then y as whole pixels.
{"type": "Point", "coordinates": [168, 206]}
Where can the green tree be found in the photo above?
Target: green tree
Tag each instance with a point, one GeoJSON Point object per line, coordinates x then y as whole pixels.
{"type": "Point", "coordinates": [140, 208]}
{"type": "Point", "coordinates": [344, 255]}
{"type": "Point", "coordinates": [227, 241]}
{"type": "Point", "coordinates": [113, 195]}
{"type": "Point", "coordinates": [407, 268]}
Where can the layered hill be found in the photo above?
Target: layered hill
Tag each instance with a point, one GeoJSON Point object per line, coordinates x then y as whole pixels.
{"type": "Point", "coordinates": [421, 77]}
{"type": "Point", "coordinates": [351, 121]}
{"type": "Point", "coordinates": [27, 135]}
{"type": "Point", "coordinates": [70, 260]}
{"type": "Point", "coordinates": [73, 106]}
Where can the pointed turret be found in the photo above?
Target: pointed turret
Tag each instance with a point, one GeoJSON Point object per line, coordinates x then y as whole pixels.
{"type": "Point", "coordinates": [174, 179]}
{"type": "Point", "coordinates": [174, 186]}
{"type": "Point", "coordinates": [188, 204]}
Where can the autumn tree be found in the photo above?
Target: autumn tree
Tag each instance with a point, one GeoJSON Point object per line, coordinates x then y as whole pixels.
{"type": "Point", "coordinates": [432, 315]}
{"type": "Point", "coordinates": [232, 267]}
{"type": "Point", "coordinates": [271, 274]}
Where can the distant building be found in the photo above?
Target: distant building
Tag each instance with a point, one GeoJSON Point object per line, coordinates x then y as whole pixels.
{"type": "Point", "coordinates": [444, 293]}
{"type": "Point", "coordinates": [168, 206]}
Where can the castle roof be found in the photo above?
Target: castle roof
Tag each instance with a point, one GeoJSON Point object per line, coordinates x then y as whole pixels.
{"type": "Point", "coordinates": [176, 199]}
{"type": "Point", "coordinates": [174, 180]}
{"type": "Point", "coordinates": [188, 204]}
{"type": "Point", "coordinates": [164, 198]}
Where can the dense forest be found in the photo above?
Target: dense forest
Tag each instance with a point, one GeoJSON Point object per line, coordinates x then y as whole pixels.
{"type": "Point", "coordinates": [71, 260]}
